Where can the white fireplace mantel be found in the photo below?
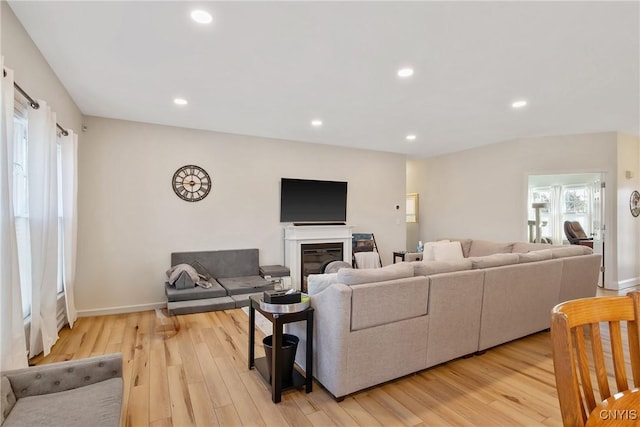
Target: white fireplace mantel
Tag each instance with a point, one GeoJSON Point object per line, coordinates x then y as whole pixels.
{"type": "Point", "coordinates": [297, 235]}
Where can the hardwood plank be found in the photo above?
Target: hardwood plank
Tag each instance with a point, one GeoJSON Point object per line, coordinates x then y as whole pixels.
{"type": "Point", "coordinates": [218, 393]}
{"type": "Point", "coordinates": [379, 412]}
{"type": "Point", "coordinates": [203, 412]}
{"type": "Point", "coordinates": [138, 407]}
{"type": "Point", "coordinates": [181, 407]}
{"type": "Point", "coordinates": [261, 395]}
{"type": "Point", "coordinates": [358, 413]}
{"type": "Point", "coordinates": [228, 416]}
{"type": "Point", "coordinates": [190, 363]}
{"type": "Point", "coordinates": [246, 408]}
{"type": "Point", "coordinates": [292, 412]}
{"type": "Point", "coordinates": [159, 399]}
{"type": "Point", "coordinates": [407, 417]}
{"type": "Point", "coordinates": [162, 422]}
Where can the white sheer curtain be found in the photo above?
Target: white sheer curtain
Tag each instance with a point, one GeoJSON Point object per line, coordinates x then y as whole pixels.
{"type": "Point", "coordinates": [555, 210]}
{"type": "Point", "coordinates": [13, 348]}
{"type": "Point", "coordinates": [69, 164]}
{"type": "Point", "coordinates": [43, 227]}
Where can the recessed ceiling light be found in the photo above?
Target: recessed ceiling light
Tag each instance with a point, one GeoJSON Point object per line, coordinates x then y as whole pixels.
{"type": "Point", "coordinates": [201, 16]}
{"type": "Point", "coordinates": [411, 137]}
{"type": "Point", "coordinates": [405, 72]}
{"type": "Point", "coordinates": [316, 123]}
{"type": "Point", "coordinates": [519, 104]}
{"type": "Point", "coordinates": [180, 101]}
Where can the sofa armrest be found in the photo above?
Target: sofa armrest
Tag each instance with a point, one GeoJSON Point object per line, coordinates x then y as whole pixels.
{"type": "Point", "coordinates": [332, 324]}
{"type": "Point", "coordinates": [61, 376]}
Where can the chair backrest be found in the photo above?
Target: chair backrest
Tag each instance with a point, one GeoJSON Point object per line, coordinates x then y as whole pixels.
{"type": "Point", "coordinates": [578, 351]}
{"type": "Point", "coordinates": [574, 231]}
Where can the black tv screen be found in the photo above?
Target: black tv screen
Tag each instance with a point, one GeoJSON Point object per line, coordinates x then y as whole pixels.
{"type": "Point", "coordinates": [305, 200]}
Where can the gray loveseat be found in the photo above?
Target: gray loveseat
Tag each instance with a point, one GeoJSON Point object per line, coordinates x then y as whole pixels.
{"type": "Point", "coordinates": [372, 326]}
{"type": "Point", "coordinates": [234, 275]}
{"type": "Point", "coordinates": [85, 392]}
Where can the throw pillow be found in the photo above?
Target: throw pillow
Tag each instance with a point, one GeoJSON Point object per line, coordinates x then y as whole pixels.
{"type": "Point", "coordinates": [427, 253]}
{"type": "Point", "coordinates": [335, 266]}
{"type": "Point", "coordinates": [447, 251]}
{"type": "Point", "coordinates": [317, 283]}
{"type": "Point", "coordinates": [465, 243]}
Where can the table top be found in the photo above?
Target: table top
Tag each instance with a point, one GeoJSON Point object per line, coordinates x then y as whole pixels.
{"type": "Point", "coordinates": [621, 409]}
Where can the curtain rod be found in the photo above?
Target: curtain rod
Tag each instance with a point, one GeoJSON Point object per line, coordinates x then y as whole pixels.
{"type": "Point", "coordinates": [33, 103]}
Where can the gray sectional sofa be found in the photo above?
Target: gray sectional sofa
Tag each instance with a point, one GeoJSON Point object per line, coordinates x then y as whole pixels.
{"type": "Point", "coordinates": [234, 275]}
{"type": "Point", "coordinates": [376, 325]}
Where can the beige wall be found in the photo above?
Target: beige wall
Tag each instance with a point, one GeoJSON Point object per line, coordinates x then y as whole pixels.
{"type": "Point", "coordinates": [130, 220]}
{"type": "Point", "coordinates": [628, 227]}
{"type": "Point", "coordinates": [33, 73]}
{"type": "Point", "coordinates": [482, 193]}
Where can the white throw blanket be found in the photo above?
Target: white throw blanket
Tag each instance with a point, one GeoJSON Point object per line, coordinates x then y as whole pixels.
{"type": "Point", "coordinates": [367, 259]}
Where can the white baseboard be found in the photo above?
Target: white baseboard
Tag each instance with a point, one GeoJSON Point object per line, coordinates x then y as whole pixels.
{"type": "Point", "coordinates": [629, 283]}
{"type": "Point", "coordinates": [121, 310]}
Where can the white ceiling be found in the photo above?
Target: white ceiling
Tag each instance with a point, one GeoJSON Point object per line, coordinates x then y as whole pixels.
{"type": "Point", "coordinates": [269, 68]}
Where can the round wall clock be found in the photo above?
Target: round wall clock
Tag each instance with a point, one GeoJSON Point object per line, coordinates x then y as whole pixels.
{"type": "Point", "coordinates": [634, 203]}
{"type": "Point", "coordinates": [191, 183]}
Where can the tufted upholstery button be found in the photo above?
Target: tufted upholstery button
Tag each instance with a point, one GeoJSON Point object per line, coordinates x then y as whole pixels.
{"type": "Point", "coordinates": [24, 391]}
{"type": "Point", "coordinates": [56, 383]}
{"type": "Point", "coordinates": [87, 378]}
{"type": "Point", "coordinates": [38, 376]}
{"type": "Point", "coordinates": [70, 370]}
{"type": "Point", "coordinates": [101, 364]}
{"type": "Point", "coordinates": [114, 372]}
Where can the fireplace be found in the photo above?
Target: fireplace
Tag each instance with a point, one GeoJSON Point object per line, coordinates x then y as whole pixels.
{"type": "Point", "coordinates": [315, 256]}
{"type": "Point", "coordinates": [322, 243]}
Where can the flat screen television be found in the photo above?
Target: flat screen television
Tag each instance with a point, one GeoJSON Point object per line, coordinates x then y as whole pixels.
{"type": "Point", "coordinates": [306, 200]}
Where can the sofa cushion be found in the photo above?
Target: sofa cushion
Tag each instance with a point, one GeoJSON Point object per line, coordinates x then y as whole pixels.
{"type": "Point", "coordinates": [533, 256]}
{"type": "Point", "coordinates": [245, 285]}
{"type": "Point", "coordinates": [447, 251]}
{"type": "Point", "coordinates": [319, 282]}
{"type": "Point", "coordinates": [96, 404]}
{"type": "Point", "coordinates": [571, 250]}
{"type": "Point", "coordinates": [225, 263]}
{"type": "Point", "coordinates": [494, 260]}
{"type": "Point", "coordinates": [374, 304]}
{"type": "Point", "coordinates": [8, 398]}
{"type": "Point", "coordinates": [371, 275]}
{"type": "Point", "coordinates": [524, 247]}
{"type": "Point", "coordinates": [427, 268]}
{"type": "Point", "coordinates": [485, 247]}
{"type": "Point", "coordinates": [197, 292]}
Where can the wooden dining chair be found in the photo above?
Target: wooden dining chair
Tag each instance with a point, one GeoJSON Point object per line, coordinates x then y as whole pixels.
{"type": "Point", "coordinates": [579, 351]}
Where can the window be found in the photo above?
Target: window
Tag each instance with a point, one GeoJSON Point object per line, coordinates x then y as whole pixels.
{"type": "Point", "coordinates": [21, 207]}
{"type": "Point", "coordinates": [412, 207]}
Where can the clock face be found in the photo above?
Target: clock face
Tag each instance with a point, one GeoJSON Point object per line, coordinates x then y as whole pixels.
{"type": "Point", "coordinates": [191, 183]}
{"type": "Point", "coordinates": [634, 203]}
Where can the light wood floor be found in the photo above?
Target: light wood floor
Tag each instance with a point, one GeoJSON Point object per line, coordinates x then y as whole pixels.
{"type": "Point", "coordinates": [192, 370]}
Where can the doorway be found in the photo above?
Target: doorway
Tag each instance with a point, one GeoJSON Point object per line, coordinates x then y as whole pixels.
{"type": "Point", "coordinates": [568, 197]}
